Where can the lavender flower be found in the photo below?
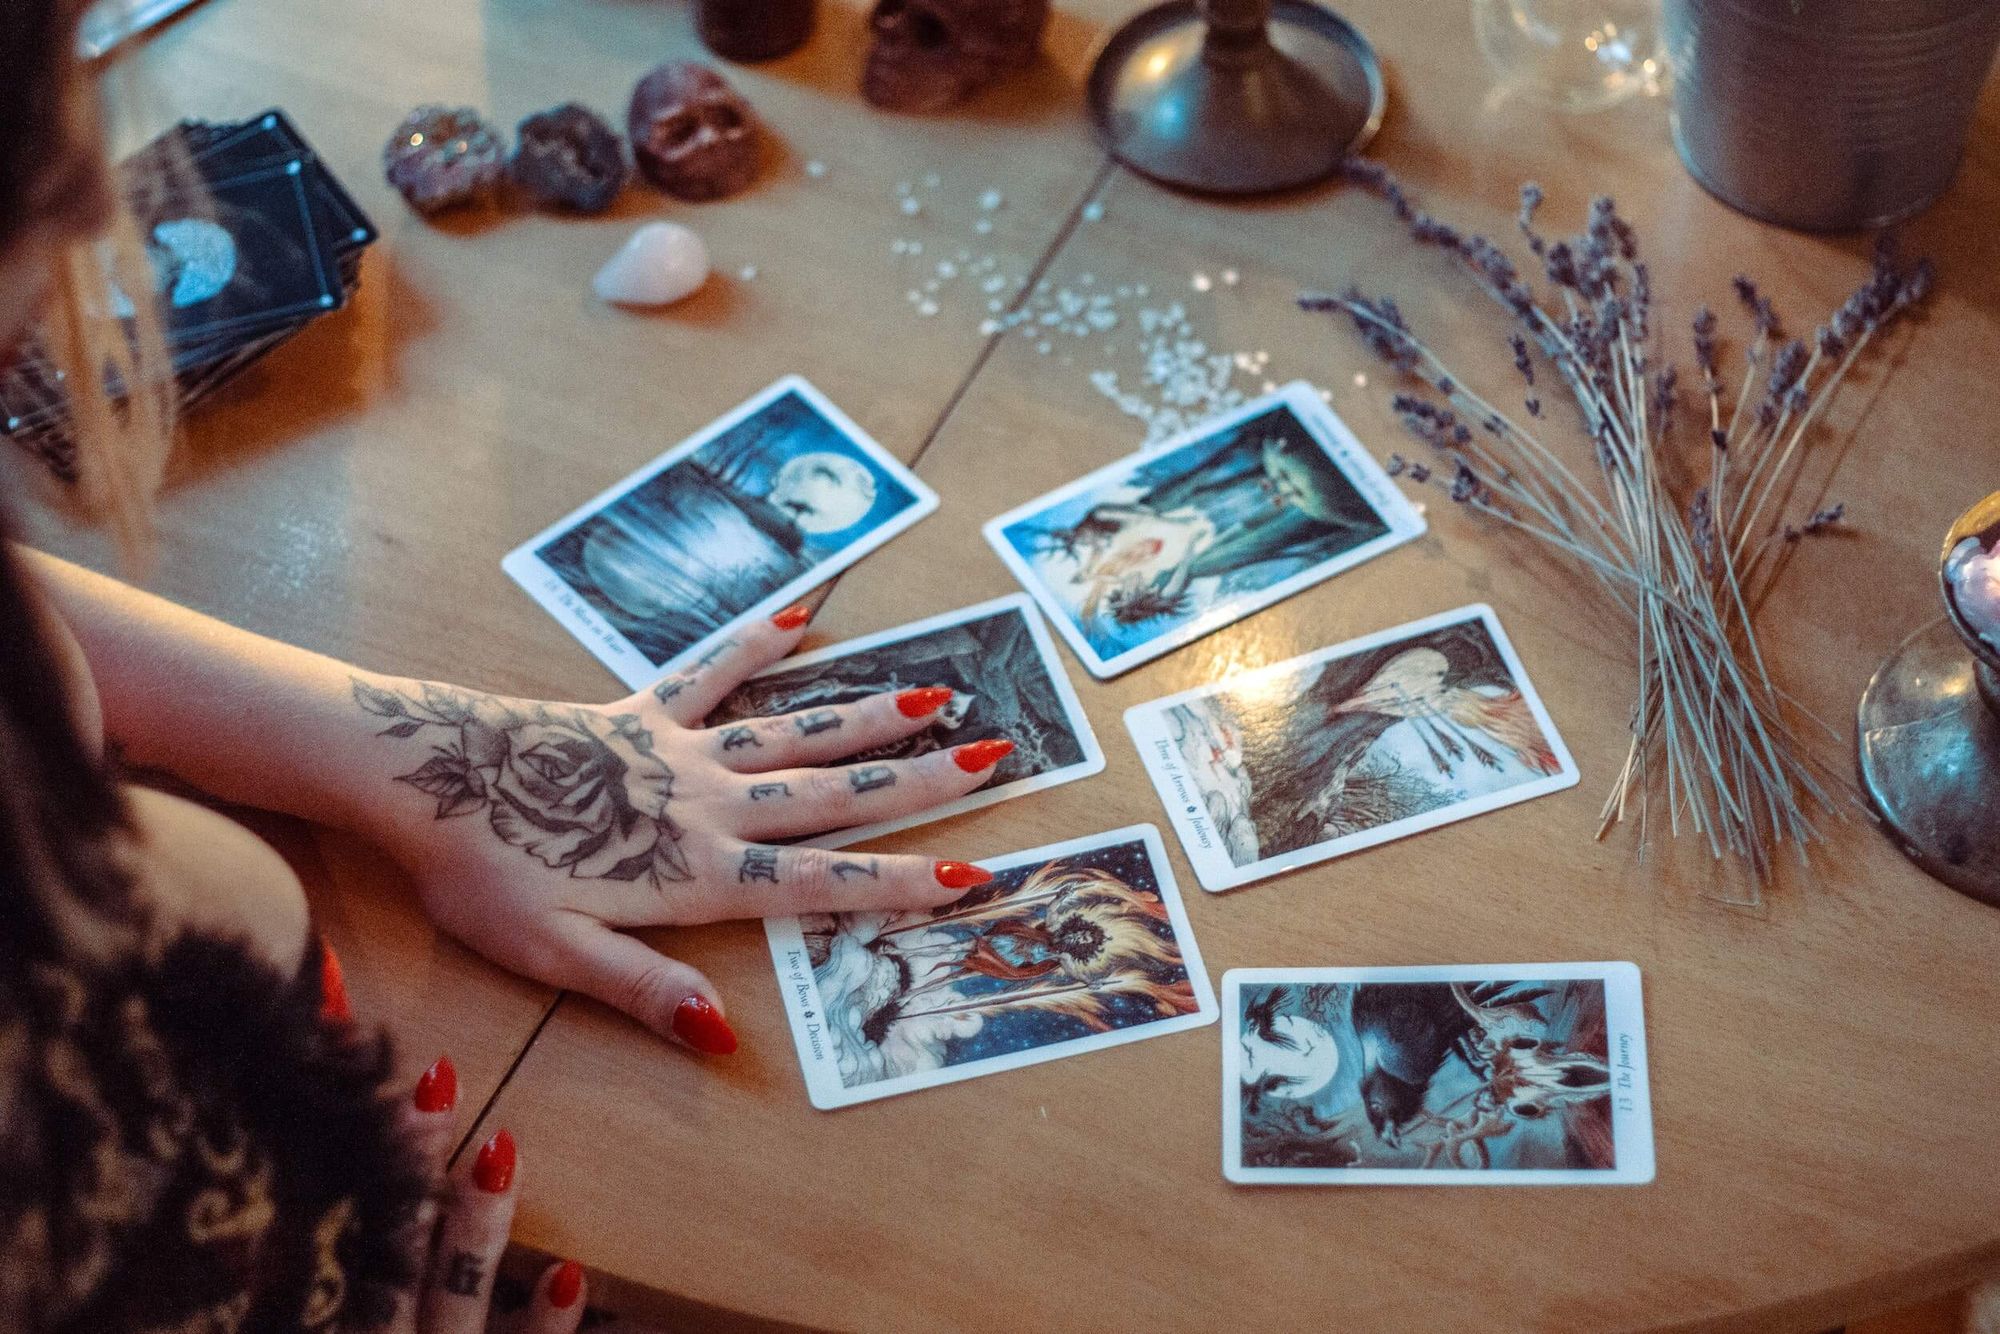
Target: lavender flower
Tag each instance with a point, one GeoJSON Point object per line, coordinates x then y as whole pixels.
{"type": "Point", "coordinates": [1531, 199]}
{"type": "Point", "coordinates": [1521, 362]}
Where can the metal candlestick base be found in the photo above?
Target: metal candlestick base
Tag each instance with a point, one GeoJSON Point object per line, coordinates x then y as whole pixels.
{"type": "Point", "coordinates": [1236, 96]}
{"type": "Point", "coordinates": [1929, 735]}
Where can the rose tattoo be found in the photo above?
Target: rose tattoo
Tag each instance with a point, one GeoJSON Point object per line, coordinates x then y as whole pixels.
{"type": "Point", "coordinates": [574, 790]}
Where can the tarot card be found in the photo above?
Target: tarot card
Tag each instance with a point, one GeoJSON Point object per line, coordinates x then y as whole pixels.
{"type": "Point", "coordinates": [1072, 947]}
{"type": "Point", "coordinates": [1350, 746]}
{"type": "Point", "coordinates": [768, 502]}
{"type": "Point", "coordinates": [1006, 679]}
{"type": "Point", "coordinates": [1165, 546]}
{"type": "Point", "coordinates": [1496, 1075]}
{"type": "Point", "coordinates": [243, 255]}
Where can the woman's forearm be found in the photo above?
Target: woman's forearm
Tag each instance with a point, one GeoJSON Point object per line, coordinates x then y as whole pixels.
{"type": "Point", "coordinates": [245, 718]}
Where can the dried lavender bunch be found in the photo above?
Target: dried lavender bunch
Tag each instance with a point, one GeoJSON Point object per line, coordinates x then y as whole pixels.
{"type": "Point", "coordinates": [1686, 541]}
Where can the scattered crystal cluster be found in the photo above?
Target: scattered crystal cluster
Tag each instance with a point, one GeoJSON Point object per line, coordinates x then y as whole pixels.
{"type": "Point", "coordinates": [1181, 380]}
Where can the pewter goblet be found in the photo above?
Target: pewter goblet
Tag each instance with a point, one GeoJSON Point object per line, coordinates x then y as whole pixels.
{"type": "Point", "coordinates": [1929, 726]}
{"type": "Point", "coordinates": [1236, 96]}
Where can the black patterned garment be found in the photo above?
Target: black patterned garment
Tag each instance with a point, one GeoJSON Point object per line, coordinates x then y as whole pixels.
{"type": "Point", "coordinates": [189, 1144]}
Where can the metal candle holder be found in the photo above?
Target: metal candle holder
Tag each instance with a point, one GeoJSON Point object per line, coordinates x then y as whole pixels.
{"type": "Point", "coordinates": [1236, 96]}
{"type": "Point", "coordinates": [1929, 732]}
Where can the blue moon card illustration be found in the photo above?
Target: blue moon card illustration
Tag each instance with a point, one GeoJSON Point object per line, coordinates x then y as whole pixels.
{"type": "Point", "coordinates": [1349, 747]}
{"type": "Point", "coordinates": [1483, 1074]}
{"type": "Point", "coordinates": [1070, 948]}
{"type": "Point", "coordinates": [758, 509]}
{"type": "Point", "coordinates": [1156, 550]}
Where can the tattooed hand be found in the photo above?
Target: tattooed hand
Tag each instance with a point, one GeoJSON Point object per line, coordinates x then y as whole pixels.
{"type": "Point", "coordinates": [539, 831]}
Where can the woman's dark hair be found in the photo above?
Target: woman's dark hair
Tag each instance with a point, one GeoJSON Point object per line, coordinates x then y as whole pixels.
{"type": "Point", "coordinates": [184, 1141]}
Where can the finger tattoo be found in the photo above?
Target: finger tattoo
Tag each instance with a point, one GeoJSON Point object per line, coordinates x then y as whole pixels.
{"type": "Point", "coordinates": [844, 871]}
{"type": "Point", "coordinates": [464, 1274]}
{"type": "Point", "coordinates": [667, 690]}
{"type": "Point", "coordinates": [736, 738]}
{"type": "Point", "coordinates": [870, 778]}
{"type": "Point", "coordinates": [819, 720]}
{"type": "Point", "coordinates": [708, 659]}
{"type": "Point", "coordinates": [768, 791]}
{"type": "Point", "coordinates": [758, 864]}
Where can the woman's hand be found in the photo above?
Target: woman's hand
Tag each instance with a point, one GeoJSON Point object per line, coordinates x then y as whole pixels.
{"type": "Point", "coordinates": [460, 1235]}
{"type": "Point", "coordinates": [545, 830]}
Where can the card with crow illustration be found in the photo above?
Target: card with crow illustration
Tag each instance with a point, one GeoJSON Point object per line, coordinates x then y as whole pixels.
{"type": "Point", "coordinates": [1006, 681]}
{"type": "Point", "coordinates": [1070, 948]}
{"type": "Point", "coordinates": [1425, 1075]}
{"type": "Point", "coordinates": [1159, 549]}
{"type": "Point", "coordinates": [1350, 746]}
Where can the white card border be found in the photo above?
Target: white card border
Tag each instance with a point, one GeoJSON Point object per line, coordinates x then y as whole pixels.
{"type": "Point", "coordinates": [1147, 726]}
{"type": "Point", "coordinates": [1406, 524]}
{"type": "Point", "coordinates": [1093, 754]}
{"type": "Point", "coordinates": [555, 596]}
{"type": "Point", "coordinates": [822, 1079]}
{"type": "Point", "coordinates": [1625, 1019]}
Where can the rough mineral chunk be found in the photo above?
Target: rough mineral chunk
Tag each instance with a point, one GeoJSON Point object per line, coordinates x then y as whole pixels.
{"type": "Point", "coordinates": [569, 158]}
{"type": "Point", "coordinates": [440, 157]}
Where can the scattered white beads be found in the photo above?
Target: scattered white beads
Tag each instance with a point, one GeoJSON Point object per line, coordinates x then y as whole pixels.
{"type": "Point", "coordinates": [816, 169]}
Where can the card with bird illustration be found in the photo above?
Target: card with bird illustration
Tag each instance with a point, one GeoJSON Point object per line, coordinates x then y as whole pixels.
{"type": "Point", "coordinates": [760, 507]}
{"type": "Point", "coordinates": [1529, 1074]}
{"type": "Point", "coordinates": [1170, 544]}
{"type": "Point", "coordinates": [1349, 746]}
{"type": "Point", "coordinates": [1070, 948]}
{"type": "Point", "coordinates": [1006, 681]}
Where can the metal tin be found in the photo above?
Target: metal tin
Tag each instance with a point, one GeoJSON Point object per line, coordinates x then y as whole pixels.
{"type": "Point", "coordinates": [1827, 115]}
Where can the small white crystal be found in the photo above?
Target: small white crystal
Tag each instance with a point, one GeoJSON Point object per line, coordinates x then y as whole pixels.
{"type": "Point", "coordinates": [1201, 283]}
{"type": "Point", "coordinates": [991, 200]}
{"type": "Point", "coordinates": [748, 273]}
{"type": "Point", "coordinates": [1093, 212]}
{"type": "Point", "coordinates": [1229, 277]}
{"type": "Point", "coordinates": [658, 265]}
{"type": "Point", "coordinates": [984, 226]}
{"type": "Point", "coordinates": [931, 180]}
{"type": "Point", "coordinates": [912, 206]}
{"type": "Point", "coordinates": [927, 308]}
{"type": "Point", "coordinates": [816, 169]}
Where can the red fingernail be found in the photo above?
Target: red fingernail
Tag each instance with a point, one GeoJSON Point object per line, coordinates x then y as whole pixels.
{"type": "Point", "coordinates": [791, 618]}
{"type": "Point", "coordinates": [566, 1286]}
{"type": "Point", "coordinates": [437, 1087]}
{"type": "Point", "coordinates": [493, 1170]}
{"type": "Point", "coordinates": [982, 755]}
{"type": "Point", "coordinates": [333, 1004]}
{"type": "Point", "coordinates": [925, 699]}
{"type": "Point", "coordinates": [701, 1026]}
{"type": "Point", "coordinates": [960, 875]}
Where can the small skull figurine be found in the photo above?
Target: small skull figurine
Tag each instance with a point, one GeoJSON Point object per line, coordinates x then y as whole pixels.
{"type": "Point", "coordinates": [692, 134]}
{"type": "Point", "coordinates": [929, 54]}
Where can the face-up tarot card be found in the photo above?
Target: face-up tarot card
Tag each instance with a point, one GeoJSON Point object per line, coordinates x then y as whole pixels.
{"type": "Point", "coordinates": [1007, 681]}
{"type": "Point", "coordinates": [1072, 947]}
{"type": "Point", "coordinates": [1499, 1075]}
{"type": "Point", "coordinates": [1349, 746]}
{"type": "Point", "coordinates": [1167, 545]}
{"type": "Point", "coordinates": [766, 503]}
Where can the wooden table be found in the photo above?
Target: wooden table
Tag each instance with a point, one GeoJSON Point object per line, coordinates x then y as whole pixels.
{"type": "Point", "coordinates": [1824, 1068]}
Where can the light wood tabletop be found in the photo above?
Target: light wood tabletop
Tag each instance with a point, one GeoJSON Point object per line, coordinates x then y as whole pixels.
{"type": "Point", "coordinates": [1823, 1065]}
